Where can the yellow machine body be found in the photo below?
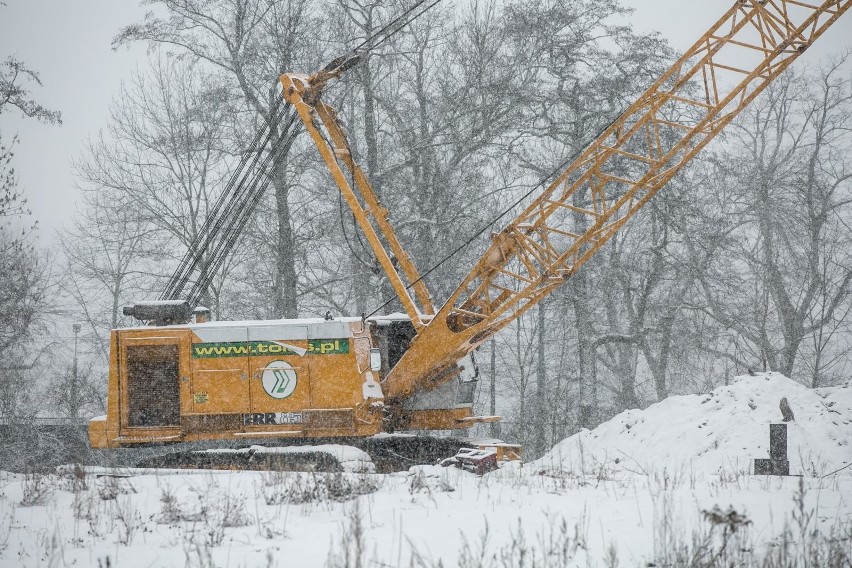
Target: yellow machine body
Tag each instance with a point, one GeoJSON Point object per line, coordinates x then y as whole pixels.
{"type": "Point", "coordinates": [304, 378]}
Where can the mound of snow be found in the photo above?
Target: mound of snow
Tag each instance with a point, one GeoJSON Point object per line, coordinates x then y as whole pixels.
{"type": "Point", "coordinates": [721, 431]}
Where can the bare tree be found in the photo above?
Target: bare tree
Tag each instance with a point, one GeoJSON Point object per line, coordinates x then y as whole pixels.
{"type": "Point", "coordinates": [648, 288]}
{"type": "Point", "coordinates": [78, 392]}
{"type": "Point", "coordinates": [23, 274]}
{"type": "Point", "coordinates": [573, 87]}
{"type": "Point", "coordinates": [162, 162]}
{"type": "Point", "coordinates": [106, 251]}
{"type": "Point", "coordinates": [516, 361]}
{"type": "Point", "coordinates": [356, 22]}
{"type": "Point", "coordinates": [248, 43]}
{"type": "Point", "coordinates": [23, 300]}
{"type": "Point", "coordinates": [788, 156]}
{"type": "Point", "coordinates": [452, 108]}
{"type": "Point", "coordinates": [827, 356]}
{"type": "Point", "coordinates": [14, 75]}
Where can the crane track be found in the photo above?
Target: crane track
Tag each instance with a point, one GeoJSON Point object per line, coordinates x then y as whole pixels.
{"type": "Point", "coordinates": [27, 447]}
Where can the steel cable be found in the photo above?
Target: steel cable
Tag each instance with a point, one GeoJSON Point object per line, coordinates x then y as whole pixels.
{"type": "Point", "coordinates": [244, 208]}
{"type": "Point", "coordinates": [222, 227]}
{"type": "Point", "coordinates": [221, 211]}
{"type": "Point", "coordinates": [209, 230]}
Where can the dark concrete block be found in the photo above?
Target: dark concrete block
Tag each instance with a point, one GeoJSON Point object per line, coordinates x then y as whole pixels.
{"type": "Point", "coordinates": [771, 467]}
{"type": "Point", "coordinates": [778, 441]}
{"type": "Point", "coordinates": [777, 464]}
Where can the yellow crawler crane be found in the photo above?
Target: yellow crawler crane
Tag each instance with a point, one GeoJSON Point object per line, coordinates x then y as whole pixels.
{"type": "Point", "coordinates": [353, 378]}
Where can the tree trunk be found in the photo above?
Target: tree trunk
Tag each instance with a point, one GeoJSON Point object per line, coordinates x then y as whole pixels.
{"type": "Point", "coordinates": [284, 304]}
{"type": "Point", "coordinates": [362, 274]}
{"type": "Point", "coordinates": [539, 441]}
{"type": "Point", "coordinates": [495, 426]}
{"type": "Point", "coordinates": [659, 365]}
{"type": "Point", "coordinates": [585, 332]}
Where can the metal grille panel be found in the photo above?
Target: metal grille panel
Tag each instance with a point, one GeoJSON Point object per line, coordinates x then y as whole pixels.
{"type": "Point", "coordinates": [152, 385]}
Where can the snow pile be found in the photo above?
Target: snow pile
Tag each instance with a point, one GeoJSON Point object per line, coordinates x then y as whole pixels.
{"type": "Point", "coordinates": [718, 432]}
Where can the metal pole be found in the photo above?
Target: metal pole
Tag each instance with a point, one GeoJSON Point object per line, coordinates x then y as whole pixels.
{"type": "Point", "coordinates": [73, 398]}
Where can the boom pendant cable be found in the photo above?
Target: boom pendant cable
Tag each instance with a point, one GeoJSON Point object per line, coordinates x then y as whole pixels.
{"type": "Point", "coordinates": [392, 33]}
{"type": "Point", "coordinates": [353, 57]}
{"type": "Point", "coordinates": [223, 211]}
{"type": "Point", "coordinates": [392, 23]}
{"type": "Point", "coordinates": [192, 256]}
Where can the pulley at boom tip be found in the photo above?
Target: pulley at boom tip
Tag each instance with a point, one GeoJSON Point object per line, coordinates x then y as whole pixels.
{"type": "Point", "coordinates": [343, 63]}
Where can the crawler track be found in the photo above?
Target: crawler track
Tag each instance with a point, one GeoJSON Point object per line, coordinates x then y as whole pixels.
{"type": "Point", "coordinates": [42, 446]}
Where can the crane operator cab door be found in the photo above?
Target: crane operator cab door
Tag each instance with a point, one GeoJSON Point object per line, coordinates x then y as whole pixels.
{"type": "Point", "coordinates": [156, 370]}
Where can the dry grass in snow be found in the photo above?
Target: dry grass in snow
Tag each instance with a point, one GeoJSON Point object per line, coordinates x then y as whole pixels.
{"type": "Point", "coordinates": [666, 486]}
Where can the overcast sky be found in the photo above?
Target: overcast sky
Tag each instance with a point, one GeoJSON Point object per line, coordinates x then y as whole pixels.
{"type": "Point", "coordinates": [68, 43]}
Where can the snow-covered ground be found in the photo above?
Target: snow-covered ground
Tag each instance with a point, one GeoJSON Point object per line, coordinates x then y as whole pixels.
{"type": "Point", "coordinates": [637, 488]}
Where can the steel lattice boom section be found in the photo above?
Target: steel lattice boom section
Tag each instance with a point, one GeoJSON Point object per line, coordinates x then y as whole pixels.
{"type": "Point", "coordinates": [615, 176]}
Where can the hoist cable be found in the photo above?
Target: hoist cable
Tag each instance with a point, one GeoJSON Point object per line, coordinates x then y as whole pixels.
{"type": "Point", "coordinates": [231, 237]}
{"type": "Point", "coordinates": [345, 235]}
{"type": "Point", "coordinates": [224, 206]}
{"type": "Point", "coordinates": [223, 216]}
{"type": "Point", "coordinates": [202, 241]}
{"type": "Point", "coordinates": [232, 189]}
{"type": "Point", "coordinates": [244, 209]}
{"type": "Point", "coordinates": [191, 258]}
{"type": "Point", "coordinates": [226, 242]}
{"type": "Point", "coordinates": [238, 217]}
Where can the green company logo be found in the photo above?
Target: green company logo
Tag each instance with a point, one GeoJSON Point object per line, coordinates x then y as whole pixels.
{"type": "Point", "coordinates": [282, 381]}
{"type": "Point", "coordinates": [262, 348]}
{"type": "Point", "coordinates": [279, 379]}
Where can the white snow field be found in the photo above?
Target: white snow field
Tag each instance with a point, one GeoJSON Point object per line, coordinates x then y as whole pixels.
{"type": "Point", "coordinates": [647, 488]}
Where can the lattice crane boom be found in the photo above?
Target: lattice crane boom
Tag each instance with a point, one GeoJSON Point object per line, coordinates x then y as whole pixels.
{"type": "Point", "coordinates": [614, 177]}
{"type": "Point", "coordinates": [589, 201]}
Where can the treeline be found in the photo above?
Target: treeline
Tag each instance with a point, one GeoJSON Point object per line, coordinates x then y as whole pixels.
{"type": "Point", "coordinates": [741, 263]}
